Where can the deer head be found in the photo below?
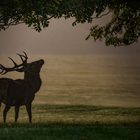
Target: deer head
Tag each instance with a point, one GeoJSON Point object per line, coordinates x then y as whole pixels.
{"type": "Point", "coordinates": [33, 67]}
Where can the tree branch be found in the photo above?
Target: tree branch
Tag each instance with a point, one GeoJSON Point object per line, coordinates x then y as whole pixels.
{"type": "Point", "coordinates": [105, 14]}
{"type": "Point", "coordinates": [50, 17]}
{"type": "Point", "coordinates": [11, 23]}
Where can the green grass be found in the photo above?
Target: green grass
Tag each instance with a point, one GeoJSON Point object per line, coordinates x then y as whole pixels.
{"type": "Point", "coordinates": [72, 122]}
{"type": "Point", "coordinates": [77, 114]}
{"type": "Point", "coordinates": [69, 132]}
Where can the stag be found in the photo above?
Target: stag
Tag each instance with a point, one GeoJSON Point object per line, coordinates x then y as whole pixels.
{"type": "Point", "coordinates": [20, 91]}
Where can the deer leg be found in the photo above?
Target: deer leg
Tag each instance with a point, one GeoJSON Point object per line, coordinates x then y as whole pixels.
{"type": "Point", "coordinates": [6, 109]}
{"type": "Point", "coordinates": [16, 113]}
{"type": "Point", "coordinates": [29, 111]}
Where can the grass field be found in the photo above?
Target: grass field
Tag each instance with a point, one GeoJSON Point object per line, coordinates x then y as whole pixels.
{"type": "Point", "coordinates": [69, 132]}
{"type": "Point", "coordinates": [82, 98]}
{"type": "Point", "coordinates": [69, 122]}
{"type": "Point", "coordinates": [80, 114]}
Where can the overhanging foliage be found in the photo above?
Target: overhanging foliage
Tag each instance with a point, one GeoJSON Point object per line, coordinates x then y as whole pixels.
{"type": "Point", "coordinates": [122, 29]}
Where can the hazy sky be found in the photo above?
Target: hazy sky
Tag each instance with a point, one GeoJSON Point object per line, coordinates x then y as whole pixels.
{"type": "Point", "coordinates": [59, 38]}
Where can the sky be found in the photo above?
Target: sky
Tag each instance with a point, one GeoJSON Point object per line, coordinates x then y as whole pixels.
{"type": "Point", "coordinates": [59, 38]}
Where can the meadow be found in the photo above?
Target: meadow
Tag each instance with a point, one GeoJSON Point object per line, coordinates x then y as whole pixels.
{"type": "Point", "coordinates": [82, 97]}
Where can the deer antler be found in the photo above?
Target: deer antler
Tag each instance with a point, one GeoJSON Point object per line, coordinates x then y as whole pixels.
{"type": "Point", "coordinates": [21, 56]}
{"type": "Point", "coordinates": [16, 67]}
{"type": "Point", "coordinates": [2, 68]}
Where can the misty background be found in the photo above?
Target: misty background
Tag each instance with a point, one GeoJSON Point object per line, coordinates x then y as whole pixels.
{"type": "Point", "coordinates": [76, 71]}
{"type": "Point", "coordinates": [59, 38]}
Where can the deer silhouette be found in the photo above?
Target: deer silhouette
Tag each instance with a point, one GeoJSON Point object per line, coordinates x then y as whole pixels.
{"type": "Point", "coordinates": [20, 91]}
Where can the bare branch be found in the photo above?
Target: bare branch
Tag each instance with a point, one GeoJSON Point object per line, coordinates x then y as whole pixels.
{"type": "Point", "coordinates": [50, 17]}
{"type": "Point", "coordinates": [105, 14]}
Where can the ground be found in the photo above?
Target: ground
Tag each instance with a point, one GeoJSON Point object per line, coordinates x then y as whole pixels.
{"type": "Point", "coordinates": [81, 98]}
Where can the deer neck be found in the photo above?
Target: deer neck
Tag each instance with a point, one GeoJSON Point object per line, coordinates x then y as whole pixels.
{"type": "Point", "coordinates": [33, 80]}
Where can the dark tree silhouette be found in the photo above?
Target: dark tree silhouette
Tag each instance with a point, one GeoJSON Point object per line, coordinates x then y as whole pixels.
{"type": "Point", "coordinates": [21, 91]}
{"type": "Point", "coordinates": [122, 29]}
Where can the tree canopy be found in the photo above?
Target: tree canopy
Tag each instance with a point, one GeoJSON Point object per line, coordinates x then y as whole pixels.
{"type": "Point", "coordinates": [122, 29]}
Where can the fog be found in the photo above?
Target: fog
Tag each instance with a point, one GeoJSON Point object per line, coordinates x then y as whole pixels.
{"type": "Point", "coordinates": [59, 38]}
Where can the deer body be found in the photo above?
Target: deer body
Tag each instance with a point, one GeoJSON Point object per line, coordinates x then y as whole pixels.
{"type": "Point", "coordinates": [21, 91]}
